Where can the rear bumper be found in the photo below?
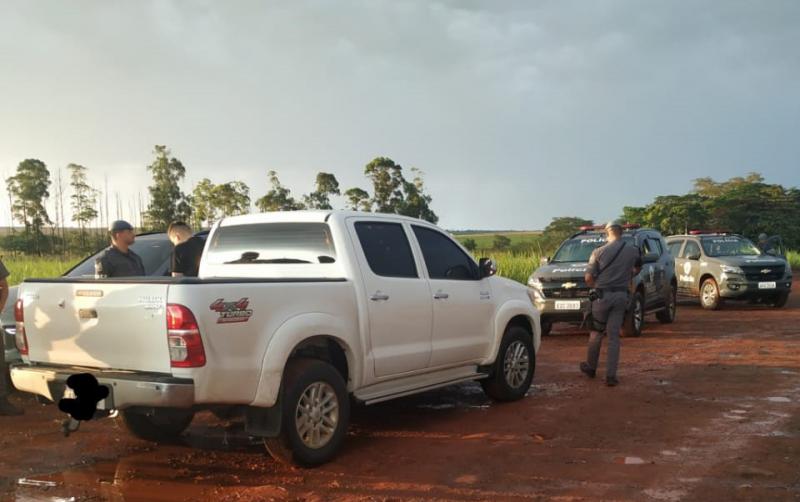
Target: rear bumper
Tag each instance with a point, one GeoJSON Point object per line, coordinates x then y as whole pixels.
{"type": "Point", "coordinates": [126, 388]}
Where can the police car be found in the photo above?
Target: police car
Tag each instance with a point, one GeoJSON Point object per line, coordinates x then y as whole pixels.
{"type": "Point", "coordinates": [716, 266]}
{"type": "Point", "coordinates": [559, 291]}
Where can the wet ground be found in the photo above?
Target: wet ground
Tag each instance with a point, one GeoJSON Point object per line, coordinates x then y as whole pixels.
{"type": "Point", "coordinates": [708, 409]}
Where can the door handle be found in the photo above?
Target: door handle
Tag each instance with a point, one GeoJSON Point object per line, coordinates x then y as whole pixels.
{"type": "Point", "coordinates": [440, 296]}
{"type": "Point", "coordinates": [378, 296]}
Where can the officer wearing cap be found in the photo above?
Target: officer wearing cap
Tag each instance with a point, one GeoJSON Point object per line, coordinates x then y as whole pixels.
{"type": "Point", "coordinates": [118, 260]}
{"type": "Point", "coordinates": [611, 268]}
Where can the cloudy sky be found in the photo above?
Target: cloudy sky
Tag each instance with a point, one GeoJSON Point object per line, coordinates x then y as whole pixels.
{"type": "Point", "coordinates": [516, 111]}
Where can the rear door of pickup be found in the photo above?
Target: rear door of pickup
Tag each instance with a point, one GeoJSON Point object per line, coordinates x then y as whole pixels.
{"type": "Point", "coordinates": [97, 324]}
{"type": "Point", "coordinates": [398, 297]}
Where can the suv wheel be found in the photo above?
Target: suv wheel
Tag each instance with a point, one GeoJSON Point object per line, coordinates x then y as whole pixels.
{"type": "Point", "coordinates": [315, 413]}
{"type": "Point", "coordinates": [667, 315]}
{"type": "Point", "coordinates": [634, 319]}
{"type": "Point", "coordinates": [513, 370]}
{"type": "Point", "coordinates": [709, 295]}
{"type": "Point", "coordinates": [781, 299]}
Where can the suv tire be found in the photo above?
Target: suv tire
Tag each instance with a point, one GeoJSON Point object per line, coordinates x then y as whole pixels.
{"type": "Point", "coordinates": [634, 318]}
{"type": "Point", "coordinates": [513, 369]}
{"type": "Point", "coordinates": [156, 424]}
{"type": "Point", "coordinates": [709, 295]}
{"type": "Point", "coordinates": [667, 315]}
{"type": "Point", "coordinates": [780, 300]}
{"type": "Point", "coordinates": [314, 399]}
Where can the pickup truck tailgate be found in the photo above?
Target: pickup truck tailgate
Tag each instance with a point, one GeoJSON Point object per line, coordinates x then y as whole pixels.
{"type": "Point", "coordinates": [97, 324]}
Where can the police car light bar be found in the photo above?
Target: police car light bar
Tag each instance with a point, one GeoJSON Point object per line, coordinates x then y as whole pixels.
{"type": "Point", "coordinates": [709, 232]}
{"type": "Point", "coordinates": [585, 228]}
{"type": "Point", "coordinates": [631, 226]}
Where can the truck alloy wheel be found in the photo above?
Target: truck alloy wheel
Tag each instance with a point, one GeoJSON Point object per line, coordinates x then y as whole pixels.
{"type": "Point", "coordinates": [315, 412]}
{"type": "Point", "coordinates": [317, 415]}
{"type": "Point", "coordinates": [514, 367]}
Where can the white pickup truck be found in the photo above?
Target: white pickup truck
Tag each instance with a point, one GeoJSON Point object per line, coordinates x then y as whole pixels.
{"type": "Point", "coordinates": [293, 312]}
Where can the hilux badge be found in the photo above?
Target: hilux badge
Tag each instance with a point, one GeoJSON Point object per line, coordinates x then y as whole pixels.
{"type": "Point", "coordinates": [235, 311]}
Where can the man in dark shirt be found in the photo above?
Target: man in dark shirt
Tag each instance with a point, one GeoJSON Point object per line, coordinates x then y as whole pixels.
{"type": "Point", "coordinates": [118, 260]}
{"type": "Point", "coordinates": [6, 408]}
{"type": "Point", "coordinates": [188, 248]}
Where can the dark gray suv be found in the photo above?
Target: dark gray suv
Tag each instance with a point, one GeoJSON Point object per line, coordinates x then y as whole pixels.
{"type": "Point", "coordinates": [559, 292]}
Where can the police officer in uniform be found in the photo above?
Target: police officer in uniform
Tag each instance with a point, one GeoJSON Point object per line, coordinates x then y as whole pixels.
{"type": "Point", "coordinates": [6, 408]}
{"type": "Point", "coordinates": [118, 260]}
{"type": "Point", "coordinates": [611, 268]}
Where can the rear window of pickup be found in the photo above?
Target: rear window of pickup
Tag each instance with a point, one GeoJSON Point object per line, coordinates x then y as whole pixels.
{"type": "Point", "coordinates": [271, 243]}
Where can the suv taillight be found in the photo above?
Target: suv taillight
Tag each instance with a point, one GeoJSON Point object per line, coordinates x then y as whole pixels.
{"type": "Point", "coordinates": [19, 336]}
{"type": "Point", "coordinates": [185, 345]}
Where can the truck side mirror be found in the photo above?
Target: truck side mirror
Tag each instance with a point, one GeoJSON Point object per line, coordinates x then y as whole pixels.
{"type": "Point", "coordinates": [544, 260]}
{"type": "Point", "coordinates": [487, 267]}
{"type": "Point", "coordinates": [695, 256]}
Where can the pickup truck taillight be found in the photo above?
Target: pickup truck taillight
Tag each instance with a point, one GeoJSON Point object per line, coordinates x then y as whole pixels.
{"type": "Point", "coordinates": [185, 345]}
{"type": "Point", "coordinates": [19, 336]}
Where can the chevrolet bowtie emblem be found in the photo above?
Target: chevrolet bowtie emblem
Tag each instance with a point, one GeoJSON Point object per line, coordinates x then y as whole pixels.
{"type": "Point", "coordinates": [569, 285]}
{"type": "Point", "coordinates": [765, 270]}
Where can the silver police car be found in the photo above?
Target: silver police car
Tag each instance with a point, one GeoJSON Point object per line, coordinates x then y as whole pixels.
{"type": "Point", "coordinates": [720, 266]}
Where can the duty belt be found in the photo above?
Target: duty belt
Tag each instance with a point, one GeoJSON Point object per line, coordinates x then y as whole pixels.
{"type": "Point", "coordinates": [613, 290]}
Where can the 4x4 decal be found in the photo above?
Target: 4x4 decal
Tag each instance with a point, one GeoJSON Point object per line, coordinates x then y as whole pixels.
{"type": "Point", "coordinates": [232, 311]}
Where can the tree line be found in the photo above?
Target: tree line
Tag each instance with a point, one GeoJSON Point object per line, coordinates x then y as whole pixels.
{"type": "Point", "coordinates": [746, 205]}
{"type": "Point", "coordinates": [30, 189]}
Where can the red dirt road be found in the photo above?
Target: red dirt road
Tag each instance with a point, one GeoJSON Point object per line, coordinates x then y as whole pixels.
{"type": "Point", "coordinates": [708, 409]}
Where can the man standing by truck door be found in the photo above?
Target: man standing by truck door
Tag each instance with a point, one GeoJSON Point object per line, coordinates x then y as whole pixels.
{"type": "Point", "coordinates": [6, 408]}
{"type": "Point", "coordinates": [611, 268]}
{"type": "Point", "coordinates": [188, 248]}
{"type": "Point", "coordinates": [118, 259]}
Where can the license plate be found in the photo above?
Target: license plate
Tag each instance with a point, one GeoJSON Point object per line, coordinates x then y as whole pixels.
{"type": "Point", "coordinates": [103, 404]}
{"type": "Point", "coordinates": [766, 285]}
{"type": "Point", "coordinates": [564, 305]}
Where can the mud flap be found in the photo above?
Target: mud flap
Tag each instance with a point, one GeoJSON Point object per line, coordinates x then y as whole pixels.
{"type": "Point", "coordinates": [264, 422]}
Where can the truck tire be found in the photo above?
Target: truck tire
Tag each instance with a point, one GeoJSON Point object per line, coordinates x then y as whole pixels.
{"type": "Point", "coordinates": [314, 400]}
{"type": "Point", "coordinates": [634, 318]}
{"type": "Point", "coordinates": [780, 300]}
{"type": "Point", "coordinates": [157, 424]}
{"type": "Point", "coordinates": [513, 370]}
{"type": "Point", "coordinates": [667, 315]}
{"type": "Point", "coordinates": [709, 295]}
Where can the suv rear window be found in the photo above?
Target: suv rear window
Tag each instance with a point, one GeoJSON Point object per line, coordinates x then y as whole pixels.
{"type": "Point", "coordinates": [271, 243]}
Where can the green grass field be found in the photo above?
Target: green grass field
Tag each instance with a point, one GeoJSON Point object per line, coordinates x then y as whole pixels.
{"type": "Point", "coordinates": [516, 265]}
{"type": "Point", "coordinates": [22, 268]}
{"type": "Point", "coordinates": [486, 240]}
